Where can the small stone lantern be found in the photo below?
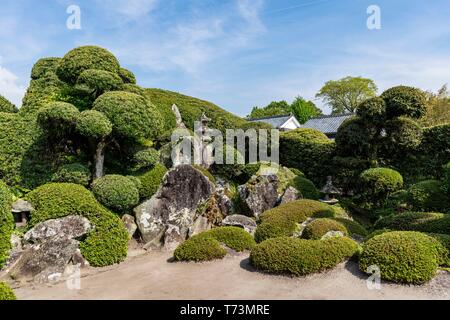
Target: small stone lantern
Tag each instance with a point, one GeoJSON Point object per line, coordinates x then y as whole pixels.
{"type": "Point", "coordinates": [21, 210]}
{"type": "Point", "coordinates": [330, 192]}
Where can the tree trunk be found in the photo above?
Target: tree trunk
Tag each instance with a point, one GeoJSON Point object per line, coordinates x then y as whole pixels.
{"type": "Point", "coordinates": [99, 159]}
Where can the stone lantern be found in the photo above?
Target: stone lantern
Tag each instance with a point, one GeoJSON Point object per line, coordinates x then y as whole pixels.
{"type": "Point", "coordinates": [330, 192]}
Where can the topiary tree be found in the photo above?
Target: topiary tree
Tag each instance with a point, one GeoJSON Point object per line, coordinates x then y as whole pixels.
{"type": "Point", "coordinates": [58, 118]}
{"type": "Point", "coordinates": [116, 192]}
{"type": "Point", "coordinates": [96, 82]}
{"type": "Point", "coordinates": [404, 101]}
{"type": "Point", "coordinates": [44, 67]}
{"type": "Point", "coordinates": [378, 183]}
{"type": "Point", "coordinates": [127, 76]}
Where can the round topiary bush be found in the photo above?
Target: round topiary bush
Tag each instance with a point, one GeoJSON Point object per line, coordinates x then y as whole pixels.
{"type": "Point", "coordinates": [97, 82]}
{"type": "Point", "coordinates": [404, 101]}
{"type": "Point", "coordinates": [145, 159]}
{"type": "Point", "coordinates": [285, 219]}
{"type": "Point", "coordinates": [127, 76]}
{"type": "Point", "coordinates": [6, 222]}
{"type": "Point", "coordinates": [403, 134]}
{"type": "Point", "coordinates": [58, 117]}
{"type": "Point", "coordinates": [6, 106]}
{"type": "Point", "coordinates": [306, 188]}
{"type": "Point", "coordinates": [353, 227]}
{"type": "Point", "coordinates": [373, 109]}
{"type": "Point", "coordinates": [428, 196]}
{"type": "Point", "coordinates": [93, 124]}
{"type": "Point", "coordinates": [354, 138]}
{"type": "Point", "coordinates": [116, 192]}
{"type": "Point", "coordinates": [6, 293]}
{"type": "Point", "coordinates": [320, 227]}
{"type": "Point", "coordinates": [207, 245]}
{"type": "Point", "coordinates": [106, 244]}
{"type": "Point", "coordinates": [151, 180]}
{"type": "Point", "coordinates": [416, 221]}
{"type": "Point", "coordinates": [403, 256]}
{"type": "Point", "coordinates": [84, 58]}
{"type": "Point", "coordinates": [378, 183]}
{"type": "Point", "coordinates": [299, 256]}
{"type": "Point", "coordinates": [44, 67]}
{"type": "Point", "coordinates": [73, 173]}
{"type": "Point", "coordinates": [130, 114]}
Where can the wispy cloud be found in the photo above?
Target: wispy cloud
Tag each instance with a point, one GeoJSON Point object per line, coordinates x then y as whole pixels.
{"type": "Point", "coordinates": [10, 87]}
{"type": "Point", "coordinates": [131, 9]}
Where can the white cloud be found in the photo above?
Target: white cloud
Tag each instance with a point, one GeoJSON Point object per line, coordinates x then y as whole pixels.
{"type": "Point", "coordinates": [249, 10]}
{"type": "Point", "coordinates": [132, 9]}
{"type": "Point", "coordinates": [9, 86]}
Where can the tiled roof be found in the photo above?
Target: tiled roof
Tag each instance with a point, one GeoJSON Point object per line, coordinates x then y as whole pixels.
{"type": "Point", "coordinates": [327, 124]}
{"type": "Point", "coordinates": [275, 121]}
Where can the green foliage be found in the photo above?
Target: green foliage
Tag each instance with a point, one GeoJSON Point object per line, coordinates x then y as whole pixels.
{"type": "Point", "coordinates": [431, 222]}
{"type": "Point", "coordinates": [106, 244]}
{"type": "Point", "coordinates": [145, 159]}
{"type": "Point", "coordinates": [348, 170]}
{"type": "Point", "coordinates": [319, 227]}
{"type": "Point", "coordinates": [446, 181]}
{"type": "Point", "coordinates": [207, 245]}
{"type": "Point", "coordinates": [404, 101]}
{"type": "Point", "coordinates": [73, 173]}
{"type": "Point", "coordinates": [45, 67]}
{"type": "Point", "coordinates": [58, 118]}
{"type": "Point", "coordinates": [127, 76]}
{"type": "Point", "coordinates": [6, 223]}
{"type": "Point", "coordinates": [6, 106]}
{"type": "Point", "coordinates": [131, 115]}
{"type": "Point", "coordinates": [403, 256]}
{"type": "Point", "coordinates": [346, 94]}
{"type": "Point", "coordinates": [434, 151]}
{"type": "Point", "coordinates": [308, 150]}
{"type": "Point", "coordinates": [93, 124]}
{"type": "Point", "coordinates": [353, 227]}
{"type": "Point", "coordinates": [284, 220]}
{"type": "Point", "coordinates": [373, 109]}
{"type": "Point", "coordinates": [378, 183]}
{"type": "Point", "coordinates": [355, 138]}
{"type": "Point", "coordinates": [84, 58]}
{"type": "Point", "coordinates": [301, 257]}
{"type": "Point", "coordinates": [403, 134]}
{"type": "Point", "coordinates": [116, 192]}
{"type": "Point", "coordinates": [41, 92]}
{"type": "Point", "coordinates": [306, 188]}
{"type": "Point", "coordinates": [428, 196]}
{"type": "Point", "coordinates": [96, 82]}
{"type": "Point", "coordinates": [6, 293]}
{"type": "Point", "coordinates": [151, 181]}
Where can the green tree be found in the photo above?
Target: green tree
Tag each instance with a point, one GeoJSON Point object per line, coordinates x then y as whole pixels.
{"type": "Point", "coordinates": [275, 108]}
{"type": "Point", "coordinates": [346, 94]}
{"type": "Point", "coordinates": [304, 110]}
{"type": "Point", "coordinates": [438, 108]}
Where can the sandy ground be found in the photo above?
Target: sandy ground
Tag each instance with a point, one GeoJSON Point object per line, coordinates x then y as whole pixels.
{"type": "Point", "coordinates": [152, 276]}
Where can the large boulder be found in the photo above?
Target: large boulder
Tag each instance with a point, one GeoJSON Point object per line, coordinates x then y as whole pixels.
{"type": "Point", "coordinates": [291, 194]}
{"type": "Point", "coordinates": [238, 220]}
{"type": "Point", "coordinates": [167, 217]}
{"type": "Point", "coordinates": [260, 193]}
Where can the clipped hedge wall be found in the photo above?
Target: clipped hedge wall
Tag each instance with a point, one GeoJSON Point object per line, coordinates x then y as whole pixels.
{"type": "Point", "coordinates": [207, 245]}
{"type": "Point", "coordinates": [299, 256]}
{"type": "Point", "coordinates": [6, 223]}
{"type": "Point", "coordinates": [319, 227]}
{"type": "Point", "coordinates": [116, 192]}
{"type": "Point", "coordinates": [431, 222]}
{"type": "Point", "coordinates": [106, 244]}
{"type": "Point", "coordinates": [403, 256]}
{"type": "Point", "coordinates": [284, 220]}
{"type": "Point", "coordinates": [6, 293]}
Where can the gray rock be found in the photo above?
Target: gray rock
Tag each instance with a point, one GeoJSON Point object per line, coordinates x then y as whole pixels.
{"type": "Point", "coordinates": [21, 206]}
{"type": "Point", "coordinates": [70, 227]}
{"type": "Point", "coordinates": [260, 193]}
{"type": "Point", "coordinates": [200, 225]}
{"type": "Point", "coordinates": [130, 224]}
{"type": "Point", "coordinates": [238, 220]}
{"type": "Point", "coordinates": [332, 234]}
{"type": "Point", "coordinates": [16, 243]}
{"type": "Point", "coordinates": [291, 194]}
{"type": "Point", "coordinates": [175, 204]}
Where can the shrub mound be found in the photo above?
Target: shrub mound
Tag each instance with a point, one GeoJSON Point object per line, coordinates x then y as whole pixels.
{"type": "Point", "coordinates": [404, 101]}
{"type": "Point", "coordinates": [151, 180]}
{"type": "Point", "coordinates": [379, 183]}
{"type": "Point", "coordinates": [353, 227]}
{"type": "Point", "coordinates": [146, 158]}
{"type": "Point", "coordinates": [44, 67]}
{"type": "Point", "coordinates": [318, 228]}
{"type": "Point", "coordinates": [284, 220]}
{"type": "Point", "coordinates": [6, 293]}
{"type": "Point", "coordinates": [300, 256]}
{"type": "Point", "coordinates": [73, 173]}
{"type": "Point", "coordinates": [6, 223]}
{"type": "Point", "coordinates": [116, 192]}
{"type": "Point", "coordinates": [127, 76]}
{"type": "Point", "coordinates": [106, 244]}
{"type": "Point", "coordinates": [306, 188]}
{"type": "Point", "coordinates": [403, 256]}
{"type": "Point", "coordinates": [93, 124]}
{"type": "Point", "coordinates": [207, 245]}
{"type": "Point", "coordinates": [429, 195]}
{"type": "Point", "coordinates": [416, 221]}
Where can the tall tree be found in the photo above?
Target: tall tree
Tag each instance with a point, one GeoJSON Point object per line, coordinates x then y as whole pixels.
{"type": "Point", "coordinates": [304, 110]}
{"type": "Point", "coordinates": [346, 94]}
{"type": "Point", "coordinates": [275, 108]}
{"type": "Point", "coordinates": [438, 108]}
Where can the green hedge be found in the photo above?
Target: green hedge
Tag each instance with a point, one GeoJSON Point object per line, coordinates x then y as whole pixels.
{"type": "Point", "coordinates": [429, 196]}
{"type": "Point", "coordinates": [6, 106]}
{"type": "Point", "coordinates": [73, 173]}
{"type": "Point", "coordinates": [6, 223]}
{"type": "Point", "coordinates": [320, 227]}
{"type": "Point", "coordinates": [6, 293]}
{"type": "Point", "coordinates": [151, 181]}
{"type": "Point", "coordinates": [353, 227]}
{"type": "Point", "coordinates": [446, 181]}
{"type": "Point", "coordinates": [207, 245]}
{"type": "Point", "coordinates": [284, 220]}
{"type": "Point", "coordinates": [378, 183]}
{"type": "Point", "coordinates": [45, 67]}
{"type": "Point", "coordinates": [116, 192]}
{"type": "Point", "coordinates": [306, 188]}
{"type": "Point", "coordinates": [106, 244]}
{"type": "Point", "coordinates": [416, 221]}
{"type": "Point", "coordinates": [403, 256]}
{"type": "Point", "coordinates": [300, 256]}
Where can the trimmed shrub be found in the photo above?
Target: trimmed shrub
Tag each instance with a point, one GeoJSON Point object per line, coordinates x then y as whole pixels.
{"type": "Point", "coordinates": [403, 256]}
{"type": "Point", "coordinates": [145, 159]}
{"type": "Point", "coordinates": [320, 227]}
{"type": "Point", "coordinates": [348, 170]}
{"type": "Point", "coordinates": [6, 293]}
{"type": "Point", "coordinates": [58, 117]}
{"type": "Point", "coordinates": [378, 183]}
{"type": "Point", "coordinates": [44, 67]}
{"type": "Point", "coordinates": [97, 82]}
{"type": "Point", "coordinates": [93, 124]}
{"type": "Point", "coordinates": [354, 138]}
{"type": "Point", "coordinates": [436, 142]}
{"type": "Point", "coordinates": [444, 239]}
{"type": "Point", "coordinates": [308, 150]}
{"type": "Point", "coordinates": [6, 106]}
{"type": "Point", "coordinates": [127, 76]}
{"type": "Point", "coordinates": [73, 173]}
{"type": "Point", "coordinates": [151, 181]}
{"type": "Point", "coordinates": [403, 134]}
{"type": "Point", "coordinates": [431, 222]}
{"type": "Point", "coordinates": [353, 227]}
{"type": "Point", "coordinates": [6, 223]}
{"type": "Point", "coordinates": [41, 92]}
{"type": "Point", "coordinates": [84, 58]}
{"type": "Point", "coordinates": [373, 109]}
{"type": "Point", "coordinates": [404, 101]}
{"type": "Point", "coordinates": [301, 257]}
{"type": "Point", "coordinates": [207, 245]}
{"type": "Point", "coordinates": [106, 244]}
{"type": "Point", "coordinates": [284, 220]}
{"type": "Point", "coordinates": [428, 196]}
{"type": "Point", "coordinates": [306, 188]}
{"type": "Point", "coordinates": [116, 192]}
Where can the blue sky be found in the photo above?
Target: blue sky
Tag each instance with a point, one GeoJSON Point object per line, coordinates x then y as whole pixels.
{"type": "Point", "coordinates": [236, 53]}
